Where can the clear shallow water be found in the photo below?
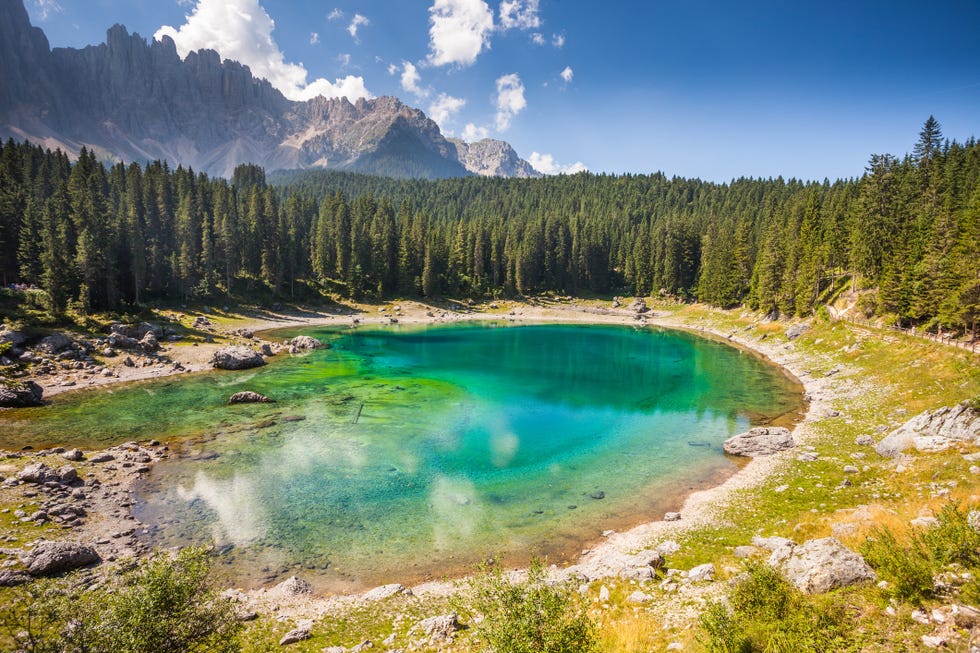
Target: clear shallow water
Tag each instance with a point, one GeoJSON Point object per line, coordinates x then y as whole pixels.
{"type": "Point", "coordinates": [406, 453]}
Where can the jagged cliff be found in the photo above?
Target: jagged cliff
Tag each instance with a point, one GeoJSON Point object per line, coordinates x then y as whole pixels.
{"type": "Point", "coordinates": [492, 158]}
{"type": "Point", "coordinates": [136, 100]}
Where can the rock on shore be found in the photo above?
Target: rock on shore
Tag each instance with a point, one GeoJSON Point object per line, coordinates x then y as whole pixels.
{"type": "Point", "coordinates": [236, 358]}
{"type": "Point", "coordinates": [20, 395]}
{"type": "Point", "coordinates": [50, 558]}
{"type": "Point", "coordinates": [932, 431]}
{"type": "Point", "coordinates": [759, 441]}
{"type": "Point", "coordinates": [819, 566]}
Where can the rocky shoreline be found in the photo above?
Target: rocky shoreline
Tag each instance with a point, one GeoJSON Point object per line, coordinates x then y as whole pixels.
{"type": "Point", "coordinates": [92, 502]}
{"type": "Point", "coordinates": [84, 495]}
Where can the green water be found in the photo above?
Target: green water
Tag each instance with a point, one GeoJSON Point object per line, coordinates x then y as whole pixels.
{"type": "Point", "coordinates": [412, 452]}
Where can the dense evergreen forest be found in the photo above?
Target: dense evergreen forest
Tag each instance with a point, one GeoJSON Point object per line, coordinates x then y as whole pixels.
{"type": "Point", "coordinates": [98, 237]}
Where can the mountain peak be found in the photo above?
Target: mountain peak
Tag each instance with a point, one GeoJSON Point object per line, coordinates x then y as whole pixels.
{"type": "Point", "coordinates": [130, 99]}
{"type": "Point", "coordinates": [493, 158]}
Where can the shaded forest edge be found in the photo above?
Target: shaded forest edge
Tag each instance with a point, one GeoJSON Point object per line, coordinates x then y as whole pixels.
{"type": "Point", "coordinates": [95, 237]}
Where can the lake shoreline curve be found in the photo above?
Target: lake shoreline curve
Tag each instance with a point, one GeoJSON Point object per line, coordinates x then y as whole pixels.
{"type": "Point", "coordinates": [615, 554]}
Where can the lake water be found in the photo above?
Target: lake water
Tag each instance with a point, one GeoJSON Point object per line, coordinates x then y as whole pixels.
{"type": "Point", "coordinates": [406, 453]}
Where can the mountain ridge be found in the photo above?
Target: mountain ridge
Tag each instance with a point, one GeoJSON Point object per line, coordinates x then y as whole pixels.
{"type": "Point", "coordinates": [131, 99]}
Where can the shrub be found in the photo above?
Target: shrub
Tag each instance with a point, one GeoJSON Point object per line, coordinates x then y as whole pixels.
{"type": "Point", "coordinates": [530, 616]}
{"type": "Point", "coordinates": [764, 612]}
{"type": "Point", "coordinates": [910, 568]}
{"type": "Point", "coordinates": [953, 540]}
{"type": "Point", "coordinates": [163, 606]}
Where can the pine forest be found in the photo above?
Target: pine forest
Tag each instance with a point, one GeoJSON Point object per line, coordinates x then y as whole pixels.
{"type": "Point", "coordinates": [96, 236]}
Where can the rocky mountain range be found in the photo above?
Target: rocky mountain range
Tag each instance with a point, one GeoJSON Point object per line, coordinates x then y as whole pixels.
{"type": "Point", "coordinates": [131, 99]}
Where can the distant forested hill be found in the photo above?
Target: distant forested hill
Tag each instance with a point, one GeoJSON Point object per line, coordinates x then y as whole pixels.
{"type": "Point", "coordinates": [99, 237]}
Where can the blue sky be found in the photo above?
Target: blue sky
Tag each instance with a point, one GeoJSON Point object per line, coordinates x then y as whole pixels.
{"type": "Point", "coordinates": [715, 90]}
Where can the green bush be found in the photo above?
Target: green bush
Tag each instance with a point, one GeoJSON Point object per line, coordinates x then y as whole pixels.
{"type": "Point", "coordinates": [910, 567]}
{"type": "Point", "coordinates": [163, 606]}
{"type": "Point", "coordinates": [530, 616]}
{"type": "Point", "coordinates": [953, 541]}
{"type": "Point", "coordinates": [766, 613]}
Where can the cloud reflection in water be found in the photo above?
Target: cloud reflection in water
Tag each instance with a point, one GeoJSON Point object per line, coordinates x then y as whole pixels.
{"type": "Point", "coordinates": [241, 518]}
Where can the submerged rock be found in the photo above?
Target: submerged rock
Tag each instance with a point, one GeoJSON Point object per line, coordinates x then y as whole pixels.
{"type": "Point", "coordinates": [759, 441]}
{"type": "Point", "coordinates": [51, 558]}
{"type": "Point", "coordinates": [305, 342]}
{"type": "Point", "coordinates": [236, 358]}
{"type": "Point", "coordinates": [932, 431]}
{"type": "Point", "coordinates": [20, 395]}
{"type": "Point", "coordinates": [248, 397]}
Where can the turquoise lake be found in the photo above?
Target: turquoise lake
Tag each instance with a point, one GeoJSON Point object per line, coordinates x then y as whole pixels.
{"type": "Point", "coordinates": [404, 453]}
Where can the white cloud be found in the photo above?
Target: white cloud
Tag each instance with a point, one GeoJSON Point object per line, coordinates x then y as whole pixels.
{"type": "Point", "coordinates": [567, 75]}
{"type": "Point", "coordinates": [460, 31]}
{"type": "Point", "coordinates": [510, 100]}
{"type": "Point", "coordinates": [472, 133]}
{"type": "Point", "coordinates": [546, 164]}
{"type": "Point", "coordinates": [392, 68]}
{"type": "Point", "coordinates": [47, 7]}
{"type": "Point", "coordinates": [344, 59]}
{"type": "Point", "coordinates": [444, 108]}
{"type": "Point", "coordinates": [410, 80]}
{"type": "Point", "coordinates": [558, 40]}
{"type": "Point", "coordinates": [350, 87]}
{"type": "Point", "coordinates": [242, 30]}
{"type": "Point", "coordinates": [537, 38]}
{"type": "Point", "coordinates": [355, 24]}
{"type": "Point", "coordinates": [336, 14]}
{"type": "Point", "coordinates": [314, 38]}
{"type": "Point", "coordinates": [522, 14]}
